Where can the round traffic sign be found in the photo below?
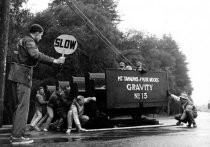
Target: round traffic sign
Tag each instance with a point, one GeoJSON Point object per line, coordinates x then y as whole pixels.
{"type": "Point", "coordinates": [65, 44]}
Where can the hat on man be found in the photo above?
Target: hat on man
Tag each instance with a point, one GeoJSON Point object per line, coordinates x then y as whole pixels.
{"type": "Point", "coordinates": [183, 96]}
{"type": "Point", "coordinates": [36, 28]}
{"type": "Point", "coordinates": [122, 64]}
{"type": "Point", "coordinates": [41, 87]}
{"type": "Point", "coordinates": [80, 97]}
{"type": "Point", "coordinates": [139, 64]}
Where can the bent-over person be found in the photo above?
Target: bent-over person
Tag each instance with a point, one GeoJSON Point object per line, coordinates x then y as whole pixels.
{"type": "Point", "coordinates": [52, 107]}
{"type": "Point", "coordinates": [76, 113]}
{"type": "Point", "coordinates": [40, 102]}
{"type": "Point", "coordinates": [189, 111]}
{"type": "Point", "coordinates": [63, 107]}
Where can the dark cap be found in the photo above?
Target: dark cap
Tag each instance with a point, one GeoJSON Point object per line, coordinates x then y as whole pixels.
{"type": "Point", "coordinates": [41, 87]}
{"type": "Point", "coordinates": [36, 28]}
{"type": "Point", "coordinates": [183, 96]}
{"type": "Point", "coordinates": [138, 63]}
{"type": "Point", "coordinates": [80, 97]}
{"type": "Point", "coordinates": [122, 64]}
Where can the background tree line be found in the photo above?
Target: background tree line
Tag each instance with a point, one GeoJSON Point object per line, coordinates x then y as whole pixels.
{"type": "Point", "coordinates": [92, 55]}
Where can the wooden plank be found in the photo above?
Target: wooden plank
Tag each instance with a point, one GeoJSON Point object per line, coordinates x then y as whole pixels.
{"type": "Point", "coordinates": [51, 88]}
{"type": "Point", "coordinates": [97, 75]}
{"type": "Point", "coordinates": [63, 83]}
{"type": "Point", "coordinates": [78, 79]}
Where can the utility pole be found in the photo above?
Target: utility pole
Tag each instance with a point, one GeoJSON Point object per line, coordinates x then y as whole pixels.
{"type": "Point", "coordinates": [4, 29]}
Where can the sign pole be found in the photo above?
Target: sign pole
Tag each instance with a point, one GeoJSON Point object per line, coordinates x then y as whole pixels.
{"type": "Point", "coordinates": [63, 53]}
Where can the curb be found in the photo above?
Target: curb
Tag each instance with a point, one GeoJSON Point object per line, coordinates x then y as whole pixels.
{"type": "Point", "coordinates": [6, 129]}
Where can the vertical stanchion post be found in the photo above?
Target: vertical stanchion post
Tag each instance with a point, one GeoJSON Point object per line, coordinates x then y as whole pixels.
{"type": "Point", "coordinates": [4, 29]}
{"type": "Point", "coordinates": [169, 102]}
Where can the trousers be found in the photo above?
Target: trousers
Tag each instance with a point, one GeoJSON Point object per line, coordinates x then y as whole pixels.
{"type": "Point", "coordinates": [36, 118]}
{"type": "Point", "coordinates": [77, 119]}
{"type": "Point", "coordinates": [21, 94]}
{"type": "Point", "coordinates": [50, 117]}
{"type": "Point", "coordinates": [187, 116]}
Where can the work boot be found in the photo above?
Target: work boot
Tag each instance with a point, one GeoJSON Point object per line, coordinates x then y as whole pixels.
{"type": "Point", "coordinates": [37, 128]}
{"type": "Point", "coordinates": [194, 125]}
{"type": "Point", "coordinates": [68, 131]}
{"type": "Point", "coordinates": [20, 140]}
{"type": "Point", "coordinates": [45, 130]}
{"type": "Point", "coordinates": [178, 123]}
{"type": "Point", "coordinates": [189, 125]}
{"type": "Point", "coordinates": [31, 128]}
{"type": "Point", "coordinates": [58, 129]}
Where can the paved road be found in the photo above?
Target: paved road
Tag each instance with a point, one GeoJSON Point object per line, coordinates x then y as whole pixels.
{"type": "Point", "coordinates": [168, 136]}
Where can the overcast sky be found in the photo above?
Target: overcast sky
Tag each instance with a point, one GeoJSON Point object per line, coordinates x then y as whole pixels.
{"type": "Point", "coordinates": [187, 21]}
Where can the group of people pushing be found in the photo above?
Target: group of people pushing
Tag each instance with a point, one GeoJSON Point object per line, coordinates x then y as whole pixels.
{"type": "Point", "coordinates": [62, 105]}
{"type": "Point", "coordinates": [71, 109]}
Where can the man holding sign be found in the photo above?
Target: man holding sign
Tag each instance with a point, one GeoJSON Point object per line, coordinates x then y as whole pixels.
{"type": "Point", "coordinates": [25, 57]}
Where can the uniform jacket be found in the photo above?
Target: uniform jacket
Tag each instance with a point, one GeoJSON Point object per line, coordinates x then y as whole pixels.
{"type": "Point", "coordinates": [24, 58]}
{"type": "Point", "coordinates": [64, 103]}
{"type": "Point", "coordinates": [53, 101]}
{"type": "Point", "coordinates": [184, 105]}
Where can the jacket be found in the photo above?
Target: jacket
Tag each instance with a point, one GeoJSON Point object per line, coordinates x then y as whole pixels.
{"type": "Point", "coordinates": [24, 58]}
{"type": "Point", "coordinates": [40, 101]}
{"type": "Point", "coordinates": [184, 105]}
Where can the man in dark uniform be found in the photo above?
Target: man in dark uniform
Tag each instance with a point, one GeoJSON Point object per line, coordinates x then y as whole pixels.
{"type": "Point", "coordinates": [25, 58]}
{"type": "Point", "coordinates": [189, 110]}
{"type": "Point", "coordinates": [139, 67]}
{"type": "Point", "coordinates": [122, 65]}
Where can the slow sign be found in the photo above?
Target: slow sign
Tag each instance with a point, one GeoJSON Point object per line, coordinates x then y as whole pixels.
{"type": "Point", "coordinates": [65, 44]}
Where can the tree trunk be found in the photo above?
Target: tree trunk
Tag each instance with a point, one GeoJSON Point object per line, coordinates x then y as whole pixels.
{"type": "Point", "coordinates": [4, 29]}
